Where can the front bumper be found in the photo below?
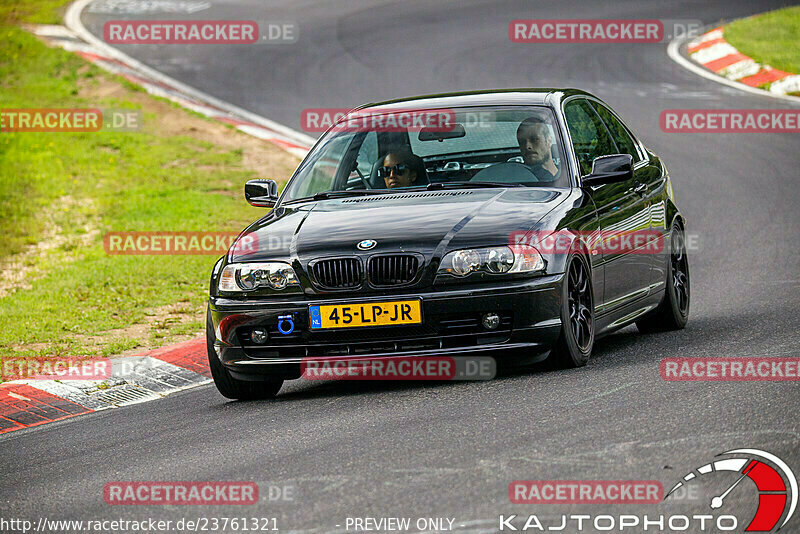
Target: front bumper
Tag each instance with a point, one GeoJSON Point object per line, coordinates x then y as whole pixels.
{"type": "Point", "coordinates": [530, 312]}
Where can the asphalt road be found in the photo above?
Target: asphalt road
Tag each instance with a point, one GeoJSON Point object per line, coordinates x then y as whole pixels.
{"type": "Point", "coordinates": [450, 450]}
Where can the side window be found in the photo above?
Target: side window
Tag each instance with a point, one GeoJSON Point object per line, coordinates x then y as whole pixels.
{"type": "Point", "coordinates": [590, 138]}
{"type": "Point", "coordinates": [618, 131]}
{"type": "Point", "coordinates": [365, 158]}
{"type": "Point", "coordinates": [368, 153]}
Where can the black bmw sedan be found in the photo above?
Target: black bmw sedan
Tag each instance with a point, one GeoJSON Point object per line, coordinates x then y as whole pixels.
{"type": "Point", "coordinates": [521, 223]}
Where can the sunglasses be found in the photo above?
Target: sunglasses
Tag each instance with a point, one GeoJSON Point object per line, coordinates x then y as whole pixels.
{"type": "Point", "coordinates": [399, 169]}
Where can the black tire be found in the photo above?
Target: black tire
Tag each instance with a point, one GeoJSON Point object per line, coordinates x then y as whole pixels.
{"type": "Point", "coordinates": [231, 387]}
{"type": "Point", "coordinates": [574, 345]}
{"type": "Point", "coordinates": [673, 311]}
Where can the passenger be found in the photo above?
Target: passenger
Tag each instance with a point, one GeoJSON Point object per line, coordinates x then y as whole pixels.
{"type": "Point", "coordinates": [401, 168]}
{"type": "Point", "coordinates": [535, 144]}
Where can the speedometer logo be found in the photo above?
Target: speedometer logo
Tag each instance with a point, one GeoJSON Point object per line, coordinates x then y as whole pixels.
{"type": "Point", "coordinates": [775, 499]}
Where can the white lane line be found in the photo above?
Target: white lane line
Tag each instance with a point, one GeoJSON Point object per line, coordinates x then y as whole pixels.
{"type": "Point", "coordinates": [72, 19]}
{"type": "Point", "coordinates": [609, 392]}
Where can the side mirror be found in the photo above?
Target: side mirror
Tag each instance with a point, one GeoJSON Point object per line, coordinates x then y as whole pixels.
{"type": "Point", "coordinates": [261, 193]}
{"type": "Point", "coordinates": [609, 169]}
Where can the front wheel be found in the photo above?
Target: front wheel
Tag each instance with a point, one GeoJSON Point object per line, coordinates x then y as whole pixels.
{"type": "Point", "coordinates": [231, 387]}
{"type": "Point", "coordinates": [673, 312]}
{"type": "Point", "coordinates": [574, 345]}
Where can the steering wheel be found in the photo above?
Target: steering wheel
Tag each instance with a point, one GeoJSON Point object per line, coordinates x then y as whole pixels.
{"type": "Point", "coordinates": [509, 171]}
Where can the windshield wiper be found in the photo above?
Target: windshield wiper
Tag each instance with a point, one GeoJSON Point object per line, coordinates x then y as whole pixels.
{"type": "Point", "coordinates": [325, 195]}
{"type": "Point", "coordinates": [468, 185]}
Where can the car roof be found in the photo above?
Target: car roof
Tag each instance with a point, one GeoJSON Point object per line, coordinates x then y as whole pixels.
{"type": "Point", "coordinates": [493, 97]}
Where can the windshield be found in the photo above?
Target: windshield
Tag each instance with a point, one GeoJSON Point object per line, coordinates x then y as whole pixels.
{"type": "Point", "coordinates": [374, 151]}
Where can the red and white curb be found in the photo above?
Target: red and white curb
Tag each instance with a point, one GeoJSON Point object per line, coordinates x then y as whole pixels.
{"type": "Point", "coordinates": [134, 379]}
{"type": "Point", "coordinates": [712, 57]}
{"type": "Point", "coordinates": [713, 52]}
{"type": "Point", "coordinates": [157, 373]}
{"type": "Point", "coordinates": [74, 37]}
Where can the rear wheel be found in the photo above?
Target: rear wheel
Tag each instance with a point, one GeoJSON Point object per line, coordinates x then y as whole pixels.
{"type": "Point", "coordinates": [673, 312]}
{"type": "Point", "coordinates": [574, 345]}
{"type": "Point", "coordinates": [231, 387]}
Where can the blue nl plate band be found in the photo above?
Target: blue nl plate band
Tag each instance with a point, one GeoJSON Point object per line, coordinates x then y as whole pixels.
{"type": "Point", "coordinates": [316, 317]}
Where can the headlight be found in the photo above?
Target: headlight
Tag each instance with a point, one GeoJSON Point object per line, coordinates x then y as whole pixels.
{"type": "Point", "coordinates": [465, 261]}
{"type": "Point", "coordinates": [495, 260]}
{"type": "Point", "coordinates": [499, 260]}
{"type": "Point", "coordinates": [252, 276]}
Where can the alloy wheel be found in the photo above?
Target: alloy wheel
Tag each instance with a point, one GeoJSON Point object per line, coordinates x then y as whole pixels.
{"type": "Point", "coordinates": [680, 273]}
{"type": "Point", "coordinates": [580, 305]}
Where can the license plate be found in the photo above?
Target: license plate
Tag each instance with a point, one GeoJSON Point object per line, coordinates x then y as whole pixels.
{"type": "Point", "coordinates": [398, 312]}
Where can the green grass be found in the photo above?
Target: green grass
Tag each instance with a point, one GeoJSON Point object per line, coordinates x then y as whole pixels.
{"type": "Point", "coordinates": [32, 11]}
{"type": "Point", "coordinates": [771, 38]}
{"type": "Point", "coordinates": [65, 184]}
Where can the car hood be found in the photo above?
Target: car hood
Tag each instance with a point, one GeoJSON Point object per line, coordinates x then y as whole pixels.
{"type": "Point", "coordinates": [426, 222]}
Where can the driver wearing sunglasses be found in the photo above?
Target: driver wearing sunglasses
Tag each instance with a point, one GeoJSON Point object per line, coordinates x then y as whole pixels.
{"type": "Point", "coordinates": [398, 169]}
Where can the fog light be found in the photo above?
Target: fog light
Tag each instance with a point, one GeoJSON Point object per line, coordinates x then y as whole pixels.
{"type": "Point", "coordinates": [490, 321]}
{"type": "Point", "coordinates": [259, 336]}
